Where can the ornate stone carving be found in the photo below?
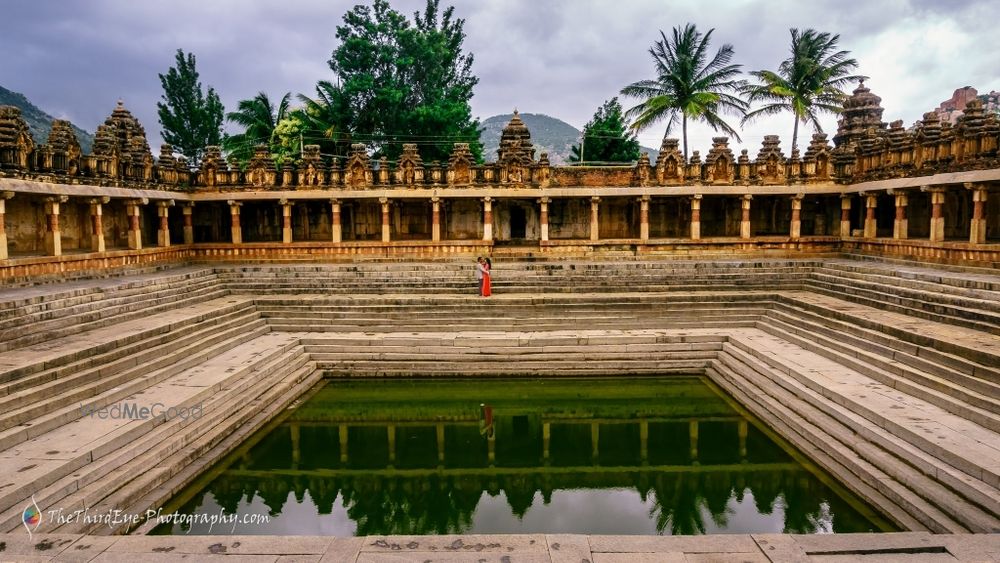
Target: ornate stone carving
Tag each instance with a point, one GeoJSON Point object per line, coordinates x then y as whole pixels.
{"type": "Point", "coordinates": [16, 144]}
{"type": "Point", "coordinates": [720, 163]}
{"type": "Point", "coordinates": [358, 173]}
{"type": "Point", "coordinates": [669, 163]}
{"type": "Point", "coordinates": [770, 163]}
{"type": "Point", "coordinates": [516, 153]}
{"type": "Point", "coordinates": [816, 164]}
{"type": "Point", "coordinates": [460, 165]}
{"type": "Point", "coordinates": [63, 149]}
{"type": "Point", "coordinates": [261, 171]}
{"type": "Point", "coordinates": [311, 172]}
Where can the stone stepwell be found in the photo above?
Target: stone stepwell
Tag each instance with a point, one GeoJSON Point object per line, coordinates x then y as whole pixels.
{"type": "Point", "coordinates": [886, 374]}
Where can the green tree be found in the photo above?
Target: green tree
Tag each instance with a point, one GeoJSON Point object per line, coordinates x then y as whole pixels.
{"type": "Point", "coordinates": [808, 82]}
{"type": "Point", "coordinates": [406, 82]}
{"type": "Point", "coordinates": [606, 137]}
{"type": "Point", "coordinates": [325, 120]}
{"type": "Point", "coordinates": [688, 85]}
{"type": "Point", "coordinates": [259, 117]}
{"type": "Point", "coordinates": [191, 119]}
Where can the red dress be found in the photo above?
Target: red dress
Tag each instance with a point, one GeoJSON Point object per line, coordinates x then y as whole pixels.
{"type": "Point", "coordinates": [486, 282]}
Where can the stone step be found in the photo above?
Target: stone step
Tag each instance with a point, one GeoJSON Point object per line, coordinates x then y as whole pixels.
{"type": "Point", "coordinates": [925, 281]}
{"type": "Point", "coordinates": [84, 350]}
{"type": "Point", "coordinates": [823, 440]}
{"type": "Point", "coordinates": [926, 431]}
{"type": "Point", "coordinates": [958, 276]}
{"type": "Point", "coordinates": [861, 354]}
{"type": "Point", "coordinates": [62, 450]}
{"type": "Point", "coordinates": [694, 363]}
{"type": "Point", "coordinates": [69, 406]}
{"type": "Point", "coordinates": [729, 321]}
{"type": "Point", "coordinates": [486, 320]}
{"type": "Point", "coordinates": [979, 320]}
{"type": "Point", "coordinates": [28, 405]}
{"type": "Point", "coordinates": [966, 500]}
{"type": "Point", "coordinates": [172, 451]}
{"type": "Point", "coordinates": [988, 303]}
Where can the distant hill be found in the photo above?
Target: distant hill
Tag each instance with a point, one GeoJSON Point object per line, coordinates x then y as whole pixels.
{"type": "Point", "coordinates": [40, 122]}
{"type": "Point", "coordinates": [548, 134]}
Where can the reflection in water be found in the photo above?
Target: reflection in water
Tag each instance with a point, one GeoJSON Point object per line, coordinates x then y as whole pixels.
{"type": "Point", "coordinates": [625, 456]}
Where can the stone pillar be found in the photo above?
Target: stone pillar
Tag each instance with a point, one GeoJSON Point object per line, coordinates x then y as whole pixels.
{"type": "Point", "coordinates": [390, 432]}
{"type": "Point", "coordinates": [236, 235]}
{"type": "Point", "coordinates": [133, 210]}
{"type": "Point", "coordinates": [795, 229]}
{"type": "Point", "coordinates": [696, 217]}
{"type": "Point", "coordinates": [977, 228]}
{"type": "Point", "coordinates": [543, 217]}
{"type": "Point", "coordinates": [286, 221]}
{"type": "Point", "coordinates": [937, 213]}
{"type": "Point", "coordinates": [97, 223]}
{"type": "Point", "coordinates": [871, 226]}
{"type": "Point", "coordinates": [595, 440]}
{"type": "Point", "coordinates": [53, 236]}
{"type": "Point", "coordinates": [900, 226]}
{"type": "Point", "coordinates": [745, 219]}
{"type": "Point", "coordinates": [342, 435]}
{"type": "Point", "coordinates": [546, 440]}
{"type": "Point", "coordinates": [335, 228]}
{"type": "Point", "coordinates": [163, 233]}
{"type": "Point", "coordinates": [435, 219]}
{"type": "Point", "coordinates": [386, 233]}
{"type": "Point", "coordinates": [644, 218]}
{"type": "Point", "coordinates": [439, 431]}
{"type": "Point", "coordinates": [595, 226]}
{"type": "Point", "coordinates": [644, 441]}
{"type": "Point", "coordinates": [188, 210]}
{"type": "Point", "coordinates": [845, 215]}
{"type": "Point", "coordinates": [3, 227]}
{"type": "Point", "coordinates": [295, 433]}
{"type": "Point", "coordinates": [693, 436]}
{"type": "Point", "coordinates": [488, 218]}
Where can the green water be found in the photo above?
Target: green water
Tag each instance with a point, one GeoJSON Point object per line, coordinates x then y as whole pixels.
{"type": "Point", "coordinates": [595, 456]}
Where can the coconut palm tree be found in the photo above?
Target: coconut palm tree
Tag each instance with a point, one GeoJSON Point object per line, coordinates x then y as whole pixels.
{"type": "Point", "coordinates": [324, 117]}
{"type": "Point", "coordinates": [688, 84]}
{"type": "Point", "coordinates": [259, 118]}
{"type": "Point", "coordinates": [806, 83]}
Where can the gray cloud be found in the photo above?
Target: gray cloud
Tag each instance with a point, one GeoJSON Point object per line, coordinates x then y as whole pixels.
{"type": "Point", "coordinates": [560, 57]}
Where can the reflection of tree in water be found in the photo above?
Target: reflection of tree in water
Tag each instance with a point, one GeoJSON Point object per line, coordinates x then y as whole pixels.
{"type": "Point", "coordinates": [681, 511]}
{"type": "Point", "coordinates": [395, 505]}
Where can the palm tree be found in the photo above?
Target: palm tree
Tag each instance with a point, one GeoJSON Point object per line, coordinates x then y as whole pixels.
{"type": "Point", "coordinates": [259, 118]}
{"type": "Point", "coordinates": [806, 83]}
{"type": "Point", "coordinates": [324, 116]}
{"type": "Point", "coordinates": [688, 85]}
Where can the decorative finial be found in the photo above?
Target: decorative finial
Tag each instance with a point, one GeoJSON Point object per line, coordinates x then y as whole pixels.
{"type": "Point", "coordinates": [121, 103]}
{"type": "Point", "coordinates": [515, 111]}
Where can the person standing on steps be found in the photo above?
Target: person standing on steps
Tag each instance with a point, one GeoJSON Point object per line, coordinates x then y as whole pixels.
{"type": "Point", "coordinates": [479, 273]}
{"type": "Point", "coordinates": [487, 287]}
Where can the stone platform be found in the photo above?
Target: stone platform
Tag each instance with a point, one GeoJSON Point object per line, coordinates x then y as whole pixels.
{"type": "Point", "coordinates": [906, 547]}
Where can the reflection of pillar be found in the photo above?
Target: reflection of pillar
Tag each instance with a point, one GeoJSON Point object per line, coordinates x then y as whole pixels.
{"type": "Point", "coordinates": [390, 431]}
{"type": "Point", "coordinates": [97, 223]}
{"type": "Point", "coordinates": [543, 217]}
{"type": "Point", "coordinates": [546, 440]}
{"type": "Point", "coordinates": [595, 205]}
{"type": "Point", "coordinates": [286, 221]}
{"type": "Point", "coordinates": [3, 227]}
{"type": "Point", "coordinates": [900, 226]}
{"type": "Point", "coordinates": [871, 225]}
{"type": "Point", "coordinates": [53, 236]}
{"type": "Point", "coordinates": [696, 217]}
{"type": "Point", "coordinates": [644, 218]}
{"type": "Point", "coordinates": [487, 218]}
{"type": "Point", "coordinates": [343, 443]}
{"type": "Point", "coordinates": [743, 427]}
{"type": "Point", "coordinates": [236, 231]}
{"type": "Point", "coordinates": [491, 442]}
{"type": "Point", "coordinates": [385, 219]}
{"type": "Point", "coordinates": [132, 209]}
{"type": "Point", "coordinates": [440, 442]}
{"type": "Point", "coordinates": [977, 228]}
{"type": "Point", "coordinates": [745, 218]}
{"type": "Point", "coordinates": [693, 434]}
{"type": "Point", "coordinates": [845, 215]}
{"type": "Point", "coordinates": [163, 232]}
{"type": "Point", "coordinates": [937, 213]}
{"type": "Point", "coordinates": [795, 230]}
{"type": "Point", "coordinates": [595, 438]}
{"type": "Point", "coordinates": [644, 441]}
{"type": "Point", "coordinates": [296, 451]}
{"type": "Point", "coordinates": [436, 219]}
{"type": "Point", "coordinates": [187, 210]}
{"type": "Point", "coordinates": [335, 219]}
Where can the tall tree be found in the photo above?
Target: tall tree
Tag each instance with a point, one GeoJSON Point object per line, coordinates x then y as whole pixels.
{"type": "Point", "coordinates": [406, 82]}
{"type": "Point", "coordinates": [808, 82]}
{"type": "Point", "coordinates": [325, 120]}
{"type": "Point", "coordinates": [191, 118]}
{"type": "Point", "coordinates": [688, 85]}
{"type": "Point", "coordinates": [259, 117]}
{"type": "Point", "coordinates": [606, 137]}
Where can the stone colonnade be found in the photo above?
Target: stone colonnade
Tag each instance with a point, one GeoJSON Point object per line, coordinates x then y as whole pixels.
{"type": "Point", "coordinates": [867, 217]}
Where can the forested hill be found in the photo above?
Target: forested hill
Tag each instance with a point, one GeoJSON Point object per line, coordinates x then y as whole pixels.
{"type": "Point", "coordinates": [548, 134]}
{"type": "Point", "coordinates": [38, 121]}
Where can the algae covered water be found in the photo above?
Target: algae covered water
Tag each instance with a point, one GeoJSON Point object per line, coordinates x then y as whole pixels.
{"type": "Point", "coordinates": [591, 456]}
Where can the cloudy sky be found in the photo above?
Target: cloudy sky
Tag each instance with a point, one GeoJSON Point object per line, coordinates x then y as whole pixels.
{"type": "Point", "coordinates": [559, 57]}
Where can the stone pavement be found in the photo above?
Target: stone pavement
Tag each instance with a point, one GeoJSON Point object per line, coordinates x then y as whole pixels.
{"type": "Point", "coordinates": [909, 547]}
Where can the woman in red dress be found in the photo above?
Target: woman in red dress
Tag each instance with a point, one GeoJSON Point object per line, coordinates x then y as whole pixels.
{"type": "Point", "coordinates": [486, 265]}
